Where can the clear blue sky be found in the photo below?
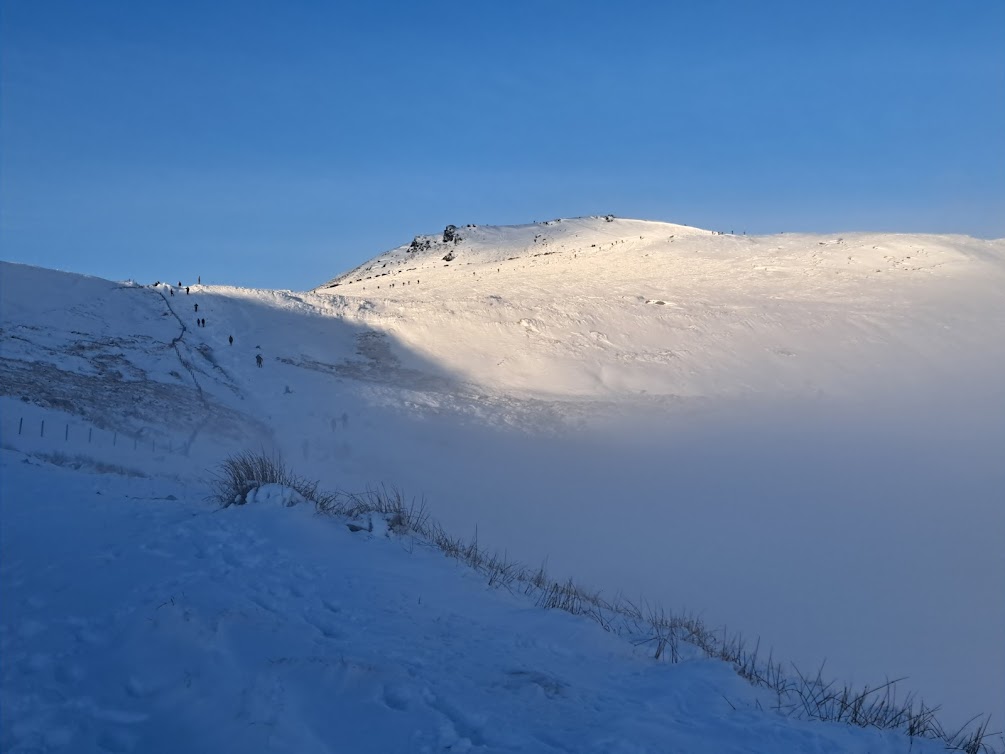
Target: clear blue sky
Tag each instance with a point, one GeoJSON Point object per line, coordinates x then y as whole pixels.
{"type": "Point", "coordinates": [275, 144]}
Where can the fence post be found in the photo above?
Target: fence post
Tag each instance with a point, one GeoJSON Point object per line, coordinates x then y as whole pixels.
{"type": "Point", "coordinates": [115, 437]}
{"type": "Point", "coordinates": [66, 434]}
{"type": "Point", "coordinates": [89, 431]}
{"type": "Point", "coordinates": [42, 433]}
{"type": "Point", "coordinates": [20, 423]}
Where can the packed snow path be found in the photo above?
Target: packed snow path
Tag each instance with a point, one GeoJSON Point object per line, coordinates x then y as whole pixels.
{"type": "Point", "coordinates": [139, 619]}
{"type": "Point", "coordinates": [187, 366]}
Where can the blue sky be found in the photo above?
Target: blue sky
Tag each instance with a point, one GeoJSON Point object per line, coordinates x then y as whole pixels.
{"type": "Point", "coordinates": [275, 144]}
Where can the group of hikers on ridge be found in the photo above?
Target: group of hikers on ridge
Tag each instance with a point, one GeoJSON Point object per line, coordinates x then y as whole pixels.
{"type": "Point", "coordinates": [201, 321]}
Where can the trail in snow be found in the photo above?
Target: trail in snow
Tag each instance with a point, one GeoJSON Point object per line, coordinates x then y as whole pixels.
{"type": "Point", "coordinates": [188, 367]}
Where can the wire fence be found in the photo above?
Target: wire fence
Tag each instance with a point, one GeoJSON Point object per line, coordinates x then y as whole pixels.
{"type": "Point", "coordinates": [61, 430]}
{"type": "Point", "coordinates": [41, 431]}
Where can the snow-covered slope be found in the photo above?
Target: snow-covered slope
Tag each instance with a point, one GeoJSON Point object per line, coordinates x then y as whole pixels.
{"type": "Point", "coordinates": [138, 618]}
{"type": "Point", "coordinates": [597, 307]}
{"type": "Point", "coordinates": [797, 435]}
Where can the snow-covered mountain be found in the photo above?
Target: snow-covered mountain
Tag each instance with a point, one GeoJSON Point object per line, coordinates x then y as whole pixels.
{"type": "Point", "coordinates": [797, 435]}
{"type": "Point", "coordinates": [598, 307]}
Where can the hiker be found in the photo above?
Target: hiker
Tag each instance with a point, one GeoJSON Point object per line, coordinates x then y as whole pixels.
{"type": "Point", "coordinates": [197, 307]}
{"type": "Point", "coordinates": [258, 359]}
{"type": "Point", "coordinates": [231, 339]}
{"type": "Point", "coordinates": [171, 290]}
{"type": "Point", "coordinates": [186, 290]}
{"type": "Point", "coordinates": [199, 280]}
{"type": "Point", "coordinates": [179, 284]}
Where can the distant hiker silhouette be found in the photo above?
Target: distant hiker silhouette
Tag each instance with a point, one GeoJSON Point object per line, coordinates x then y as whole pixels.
{"type": "Point", "coordinates": [171, 290]}
{"type": "Point", "coordinates": [231, 340]}
{"type": "Point", "coordinates": [258, 359]}
{"type": "Point", "coordinates": [197, 307]}
{"type": "Point", "coordinates": [199, 280]}
{"type": "Point", "coordinates": [179, 284]}
{"type": "Point", "coordinates": [186, 289]}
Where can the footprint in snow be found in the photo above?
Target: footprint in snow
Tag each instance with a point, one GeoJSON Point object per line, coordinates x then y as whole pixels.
{"type": "Point", "coordinates": [550, 686]}
{"type": "Point", "coordinates": [397, 696]}
{"type": "Point", "coordinates": [328, 628]}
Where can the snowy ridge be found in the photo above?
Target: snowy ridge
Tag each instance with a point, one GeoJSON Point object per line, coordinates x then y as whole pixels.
{"type": "Point", "coordinates": [592, 308]}
{"type": "Point", "coordinates": [497, 244]}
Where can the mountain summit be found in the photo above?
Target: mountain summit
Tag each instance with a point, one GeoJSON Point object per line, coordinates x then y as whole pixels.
{"type": "Point", "coordinates": [497, 244]}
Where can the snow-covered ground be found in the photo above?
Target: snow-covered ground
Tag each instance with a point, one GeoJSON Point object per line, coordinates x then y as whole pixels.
{"type": "Point", "coordinates": [138, 617]}
{"type": "Point", "coordinates": [798, 436]}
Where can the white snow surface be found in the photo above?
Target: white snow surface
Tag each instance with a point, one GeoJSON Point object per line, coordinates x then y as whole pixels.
{"type": "Point", "coordinates": [797, 436]}
{"type": "Point", "coordinates": [588, 308]}
{"type": "Point", "coordinates": [141, 618]}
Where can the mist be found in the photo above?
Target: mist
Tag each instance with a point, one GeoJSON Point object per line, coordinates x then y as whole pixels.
{"type": "Point", "coordinates": [864, 534]}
